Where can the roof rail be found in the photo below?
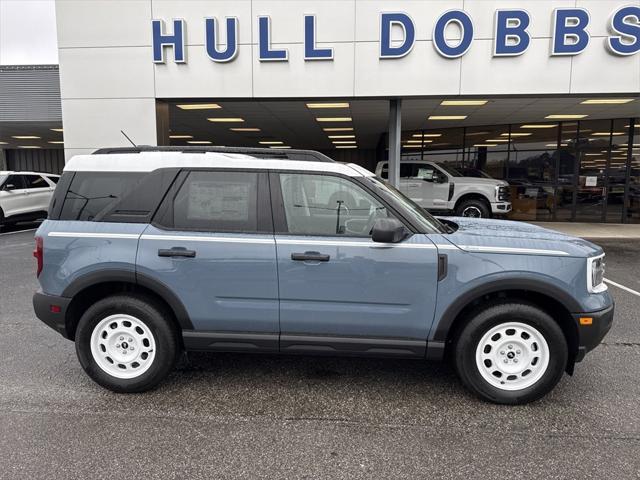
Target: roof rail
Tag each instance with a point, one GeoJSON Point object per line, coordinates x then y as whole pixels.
{"type": "Point", "coordinates": [279, 153]}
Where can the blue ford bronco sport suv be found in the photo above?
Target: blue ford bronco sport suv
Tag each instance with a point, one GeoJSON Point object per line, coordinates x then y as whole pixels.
{"type": "Point", "coordinates": [150, 252]}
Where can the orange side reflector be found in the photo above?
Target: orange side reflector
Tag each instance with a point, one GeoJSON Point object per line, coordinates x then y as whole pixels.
{"type": "Point", "coordinates": [586, 321]}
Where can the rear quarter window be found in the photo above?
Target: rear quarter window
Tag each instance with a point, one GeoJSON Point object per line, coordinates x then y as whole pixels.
{"type": "Point", "coordinates": [92, 194]}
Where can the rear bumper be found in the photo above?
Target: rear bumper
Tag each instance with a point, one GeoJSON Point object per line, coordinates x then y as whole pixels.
{"type": "Point", "coordinates": [590, 335]}
{"type": "Point", "coordinates": [46, 309]}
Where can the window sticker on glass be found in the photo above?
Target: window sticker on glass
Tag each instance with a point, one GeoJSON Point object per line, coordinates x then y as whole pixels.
{"type": "Point", "coordinates": [218, 201]}
{"type": "Point", "coordinates": [425, 173]}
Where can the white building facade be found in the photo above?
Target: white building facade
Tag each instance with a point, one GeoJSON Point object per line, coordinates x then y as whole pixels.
{"type": "Point", "coordinates": [126, 64]}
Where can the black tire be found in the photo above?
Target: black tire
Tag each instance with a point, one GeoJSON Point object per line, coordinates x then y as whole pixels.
{"type": "Point", "coordinates": [490, 316]}
{"type": "Point", "coordinates": [473, 207]}
{"type": "Point", "coordinates": [154, 317]}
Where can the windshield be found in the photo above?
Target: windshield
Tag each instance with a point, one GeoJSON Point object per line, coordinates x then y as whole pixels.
{"type": "Point", "coordinates": [450, 170]}
{"type": "Point", "coordinates": [473, 172]}
{"type": "Point", "coordinates": [417, 213]}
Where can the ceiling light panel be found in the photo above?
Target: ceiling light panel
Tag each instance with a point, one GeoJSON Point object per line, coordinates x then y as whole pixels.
{"type": "Point", "coordinates": [463, 103]}
{"type": "Point", "coordinates": [328, 105]}
{"type": "Point", "coordinates": [199, 106]}
{"type": "Point", "coordinates": [447, 117]}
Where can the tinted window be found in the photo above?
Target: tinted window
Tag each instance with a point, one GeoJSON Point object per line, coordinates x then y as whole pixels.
{"type": "Point", "coordinates": [92, 195]}
{"type": "Point", "coordinates": [327, 205]}
{"type": "Point", "coordinates": [35, 181]}
{"type": "Point", "coordinates": [218, 202]}
{"type": "Point", "coordinates": [53, 179]}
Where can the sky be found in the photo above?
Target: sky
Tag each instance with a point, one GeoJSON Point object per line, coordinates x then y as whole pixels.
{"type": "Point", "coordinates": [28, 32]}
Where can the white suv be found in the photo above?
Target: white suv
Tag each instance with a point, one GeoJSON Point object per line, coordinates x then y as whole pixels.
{"type": "Point", "coordinates": [438, 187]}
{"type": "Point", "coordinates": [25, 195]}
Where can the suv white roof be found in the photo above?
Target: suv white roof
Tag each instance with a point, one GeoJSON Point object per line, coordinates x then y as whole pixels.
{"type": "Point", "coordinates": [149, 161]}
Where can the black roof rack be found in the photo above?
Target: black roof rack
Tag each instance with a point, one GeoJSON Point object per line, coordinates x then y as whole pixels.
{"type": "Point", "coordinates": [278, 153]}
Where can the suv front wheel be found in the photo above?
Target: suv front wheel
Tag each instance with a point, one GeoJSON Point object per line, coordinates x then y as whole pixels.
{"type": "Point", "coordinates": [126, 343]}
{"type": "Point", "coordinates": [511, 353]}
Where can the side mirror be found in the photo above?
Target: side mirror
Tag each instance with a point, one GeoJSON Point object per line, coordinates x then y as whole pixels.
{"type": "Point", "coordinates": [388, 230]}
{"type": "Point", "coordinates": [441, 179]}
{"type": "Point", "coordinates": [9, 186]}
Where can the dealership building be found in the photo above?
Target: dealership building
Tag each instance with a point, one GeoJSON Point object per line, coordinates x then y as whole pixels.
{"type": "Point", "coordinates": [543, 94]}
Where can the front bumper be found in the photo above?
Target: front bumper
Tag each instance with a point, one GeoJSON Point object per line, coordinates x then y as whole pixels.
{"type": "Point", "coordinates": [500, 207]}
{"type": "Point", "coordinates": [591, 334]}
{"type": "Point", "coordinates": [52, 310]}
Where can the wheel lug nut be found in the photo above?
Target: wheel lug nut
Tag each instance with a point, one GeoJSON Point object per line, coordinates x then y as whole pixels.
{"type": "Point", "coordinates": [506, 361]}
{"type": "Point", "coordinates": [518, 352]}
{"type": "Point", "coordinates": [121, 338]}
{"type": "Point", "coordinates": [515, 360]}
{"type": "Point", "coordinates": [501, 352]}
{"type": "Point", "coordinates": [130, 348]}
{"type": "Point", "coordinates": [130, 339]}
{"type": "Point", "coordinates": [117, 345]}
{"type": "Point", "coordinates": [510, 347]}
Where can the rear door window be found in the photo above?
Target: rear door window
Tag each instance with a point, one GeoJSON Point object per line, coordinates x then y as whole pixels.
{"type": "Point", "coordinates": [219, 201]}
{"type": "Point", "coordinates": [35, 181]}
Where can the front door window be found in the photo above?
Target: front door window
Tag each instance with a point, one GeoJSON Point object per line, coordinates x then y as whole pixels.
{"type": "Point", "coordinates": [326, 205]}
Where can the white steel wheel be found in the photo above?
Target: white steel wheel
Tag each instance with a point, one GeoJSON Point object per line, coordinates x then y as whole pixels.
{"type": "Point", "coordinates": [512, 356]}
{"type": "Point", "coordinates": [123, 346]}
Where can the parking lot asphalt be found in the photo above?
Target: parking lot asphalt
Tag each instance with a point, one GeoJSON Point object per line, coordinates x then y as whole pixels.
{"type": "Point", "coordinates": [249, 416]}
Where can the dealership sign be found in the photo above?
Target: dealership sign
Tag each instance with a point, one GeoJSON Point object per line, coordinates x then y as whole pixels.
{"type": "Point", "coordinates": [569, 35]}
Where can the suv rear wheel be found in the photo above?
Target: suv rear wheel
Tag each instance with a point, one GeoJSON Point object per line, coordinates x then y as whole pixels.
{"type": "Point", "coordinates": [474, 208]}
{"type": "Point", "coordinates": [126, 343]}
{"type": "Point", "coordinates": [511, 353]}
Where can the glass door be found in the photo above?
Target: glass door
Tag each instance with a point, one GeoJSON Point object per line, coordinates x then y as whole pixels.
{"type": "Point", "coordinates": [593, 152]}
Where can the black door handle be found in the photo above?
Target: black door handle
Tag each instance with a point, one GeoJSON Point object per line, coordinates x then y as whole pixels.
{"type": "Point", "coordinates": [310, 256]}
{"type": "Point", "coordinates": [176, 252]}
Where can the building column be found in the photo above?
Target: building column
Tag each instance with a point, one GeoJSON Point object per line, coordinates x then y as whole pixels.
{"type": "Point", "coordinates": [3, 159]}
{"type": "Point", "coordinates": [395, 134]}
{"type": "Point", "coordinates": [162, 122]}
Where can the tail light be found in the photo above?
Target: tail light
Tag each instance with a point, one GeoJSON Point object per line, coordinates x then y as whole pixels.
{"type": "Point", "coordinates": [39, 254]}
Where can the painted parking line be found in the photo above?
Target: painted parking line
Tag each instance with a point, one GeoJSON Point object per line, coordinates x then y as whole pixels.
{"type": "Point", "coordinates": [18, 231]}
{"type": "Point", "coordinates": [622, 287]}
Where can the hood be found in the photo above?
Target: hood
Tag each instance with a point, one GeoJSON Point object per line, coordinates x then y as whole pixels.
{"type": "Point", "coordinates": [479, 181]}
{"type": "Point", "coordinates": [503, 236]}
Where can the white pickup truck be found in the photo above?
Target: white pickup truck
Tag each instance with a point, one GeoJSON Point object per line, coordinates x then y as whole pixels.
{"type": "Point", "coordinates": [440, 188]}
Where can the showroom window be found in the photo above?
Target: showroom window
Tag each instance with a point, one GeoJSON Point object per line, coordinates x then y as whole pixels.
{"type": "Point", "coordinates": [576, 170]}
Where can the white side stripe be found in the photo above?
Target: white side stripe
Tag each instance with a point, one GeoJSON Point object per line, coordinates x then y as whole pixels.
{"type": "Point", "coordinates": [335, 243]}
{"type": "Point", "coordinates": [530, 251]}
{"type": "Point", "coordinates": [94, 235]}
{"type": "Point", "coordinates": [186, 238]}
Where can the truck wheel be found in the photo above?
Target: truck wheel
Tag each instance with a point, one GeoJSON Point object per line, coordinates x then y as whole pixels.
{"type": "Point", "coordinates": [511, 353]}
{"type": "Point", "coordinates": [474, 208]}
{"type": "Point", "coordinates": [126, 343]}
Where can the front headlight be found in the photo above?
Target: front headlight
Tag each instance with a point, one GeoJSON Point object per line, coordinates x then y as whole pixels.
{"type": "Point", "coordinates": [595, 274]}
{"type": "Point", "coordinates": [503, 194]}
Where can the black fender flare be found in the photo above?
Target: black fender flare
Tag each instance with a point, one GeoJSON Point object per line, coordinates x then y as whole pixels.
{"type": "Point", "coordinates": [443, 327]}
{"type": "Point", "coordinates": [129, 276]}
